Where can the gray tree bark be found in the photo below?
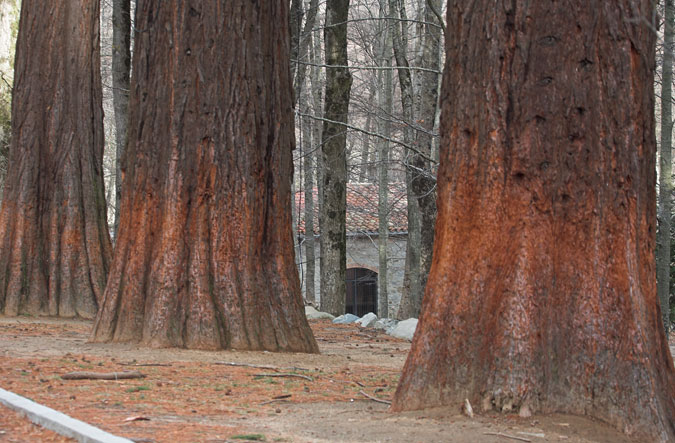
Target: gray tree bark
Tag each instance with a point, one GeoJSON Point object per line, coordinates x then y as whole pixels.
{"type": "Point", "coordinates": [317, 107]}
{"type": "Point", "coordinates": [308, 154]}
{"type": "Point", "coordinates": [423, 182]}
{"type": "Point", "coordinates": [665, 170]}
{"type": "Point", "coordinates": [334, 138]}
{"type": "Point", "coordinates": [412, 289]}
{"type": "Point", "coordinates": [121, 70]}
{"type": "Point", "coordinates": [295, 25]}
{"type": "Point", "coordinates": [304, 47]}
{"type": "Point", "coordinates": [386, 102]}
{"type": "Point", "coordinates": [366, 161]}
{"type": "Point", "coordinates": [308, 164]}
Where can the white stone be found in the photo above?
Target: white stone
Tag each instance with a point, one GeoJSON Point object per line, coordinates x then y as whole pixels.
{"type": "Point", "coordinates": [313, 314]}
{"type": "Point", "coordinates": [346, 319]}
{"type": "Point", "coordinates": [386, 324]}
{"type": "Point", "coordinates": [405, 329]}
{"type": "Point", "coordinates": [367, 320]}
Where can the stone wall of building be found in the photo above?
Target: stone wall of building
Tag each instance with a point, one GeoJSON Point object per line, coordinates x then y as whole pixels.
{"type": "Point", "coordinates": [362, 252]}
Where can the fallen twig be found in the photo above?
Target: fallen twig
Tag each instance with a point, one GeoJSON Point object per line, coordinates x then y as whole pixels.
{"type": "Point", "coordinates": [137, 418]}
{"type": "Point", "coordinates": [499, 434]}
{"type": "Point", "coordinates": [379, 400]}
{"type": "Point", "coordinates": [277, 399]}
{"type": "Point", "coordinates": [306, 377]}
{"type": "Point", "coordinates": [248, 365]}
{"type": "Point", "coordinates": [145, 364]}
{"type": "Point", "coordinates": [126, 375]}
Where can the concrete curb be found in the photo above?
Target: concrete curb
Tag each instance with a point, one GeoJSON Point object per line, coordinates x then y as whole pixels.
{"type": "Point", "coordinates": [56, 421]}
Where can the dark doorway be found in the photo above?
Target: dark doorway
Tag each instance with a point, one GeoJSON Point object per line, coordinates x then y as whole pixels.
{"type": "Point", "coordinates": [361, 291]}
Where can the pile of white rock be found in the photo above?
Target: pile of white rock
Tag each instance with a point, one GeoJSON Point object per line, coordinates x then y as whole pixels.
{"type": "Point", "coordinates": [400, 329]}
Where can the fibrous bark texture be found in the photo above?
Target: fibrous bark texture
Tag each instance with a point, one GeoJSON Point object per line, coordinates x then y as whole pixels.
{"type": "Point", "coordinates": [542, 291]}
{"type": "Point", "coordinates": [204, 257]}
{"type": "Point", "coordinates": [55, 249]}
{"type": "Point", "coordinates": [333, 241]}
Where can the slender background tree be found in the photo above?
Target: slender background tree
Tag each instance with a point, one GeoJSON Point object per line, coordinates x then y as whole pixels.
{"type": "Point", "coordinates": [333, 149]}
{"type": "Point", "coordinates": [665, 209]}
{"type": "Point", "coordinates": [121, 71]}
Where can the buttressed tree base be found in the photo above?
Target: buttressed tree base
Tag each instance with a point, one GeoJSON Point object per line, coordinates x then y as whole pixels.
{"type": "Point", "coordinates": [55, 250]}
{"type": "Point", "coordinates": [204, 257]}
{"type": "Point", "coordinates": [542, 293]}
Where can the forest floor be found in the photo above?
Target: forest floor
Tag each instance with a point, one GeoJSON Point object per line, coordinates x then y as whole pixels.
{"type": "Point", "coordinates": [195, 396]}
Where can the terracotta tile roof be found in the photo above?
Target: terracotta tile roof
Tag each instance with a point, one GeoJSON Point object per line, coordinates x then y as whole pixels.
{"type": "Point", "coordinates": [362, 202]}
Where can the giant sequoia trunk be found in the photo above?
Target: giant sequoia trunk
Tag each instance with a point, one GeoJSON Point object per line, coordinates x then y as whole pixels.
{"type": "Point", "coordinates": [55, 249]}
{"type": "Point", "coordinates": [542, 292]}
{"type": "Point", "coordinates": [204, 257]}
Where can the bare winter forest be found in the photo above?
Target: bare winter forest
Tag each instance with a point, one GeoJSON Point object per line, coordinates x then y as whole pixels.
{"type": "Point", "coordinates": [458, 213]}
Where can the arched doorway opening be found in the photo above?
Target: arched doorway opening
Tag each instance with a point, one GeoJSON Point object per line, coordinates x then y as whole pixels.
{"type": "Point", "coordinates": [361, 291]}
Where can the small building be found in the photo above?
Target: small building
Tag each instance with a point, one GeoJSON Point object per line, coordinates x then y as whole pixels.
{"type": "Point", "coordinates": [362, 246]}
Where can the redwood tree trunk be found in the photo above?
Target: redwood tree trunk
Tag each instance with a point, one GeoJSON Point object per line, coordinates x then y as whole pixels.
{"type": "Point", "coordinates": [55, 248]}
{"type": "Point", "coordinates": [204, 257]}
{"type": "Point", "coordinates": [542, 293]}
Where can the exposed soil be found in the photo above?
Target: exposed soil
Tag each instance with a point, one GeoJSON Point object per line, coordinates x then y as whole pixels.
{"type": "Point", "coordinates": [14, 428]}
{"type": "Point", "coordinates": [190, 396]}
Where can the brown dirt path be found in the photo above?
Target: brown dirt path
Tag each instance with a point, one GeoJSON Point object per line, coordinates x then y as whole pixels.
{"type": "Point", "coordinates": [188, 397]}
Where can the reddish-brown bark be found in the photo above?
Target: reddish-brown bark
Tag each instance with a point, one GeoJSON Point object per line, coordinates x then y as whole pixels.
{"type": "Point", "coordinates": [204, 257]}
{"type": "Point", "coordinates": [54, 243]}
{"type": "Point", "coordinates": [542, 291]}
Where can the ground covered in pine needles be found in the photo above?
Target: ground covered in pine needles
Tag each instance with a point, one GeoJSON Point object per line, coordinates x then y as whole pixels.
{"type": "Point", "coordinates": [195, 396]}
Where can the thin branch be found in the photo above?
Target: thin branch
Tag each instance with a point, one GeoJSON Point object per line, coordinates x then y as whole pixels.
{"type": "Point", "coordinates": [438, 16]}
{"type": "Point", "coordinates": [368, 19]}
{"type": "Point", "coordinates": [369, 68]}
{"type": "Point", "coordinates": [99, 376]}
{"type": "Point", "coordinates": [248, 365]}
{"type": "Point", "coordinates": [305, 377]}
{"type": "Point", "coordinates": [513, 437]}
{"type": "Point", "coordinates": [379, 400]}
{"type": "Point", "coordinates": [374, 134]}
{"type": "Point", "coordinates": [2, 76]}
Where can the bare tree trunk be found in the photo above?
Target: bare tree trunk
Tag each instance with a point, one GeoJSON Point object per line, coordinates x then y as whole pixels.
{"type": "Point", "coordinates": [304, 48]}
{"type": "Point", "coordinates": [295, 24]}
{"type": "Point", "coordinates": [121, 70]}
{"type": "Point", "coordinates": [334, 150]}
{"type": "Point", "coordinates": [55, 248]}
{"type": "Point", "coordinates": [365, 169]}
{"type": "Point", "coordinates": [424, 181]}
{"type": "Point", "coordinates": [317, 108]}
{"type": "Point", "coordinates": [543, 263]}
{"type": "Point", "coordinates": [412, 290]}
{"type": "Point", "coordinates": [385, 101]}
{"type": "Point", "coordinates": [310, 256]}
{"type": "Point", "coordinates": [204, 257]}
{"type": "Point", "coordinates": [666, 170]}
